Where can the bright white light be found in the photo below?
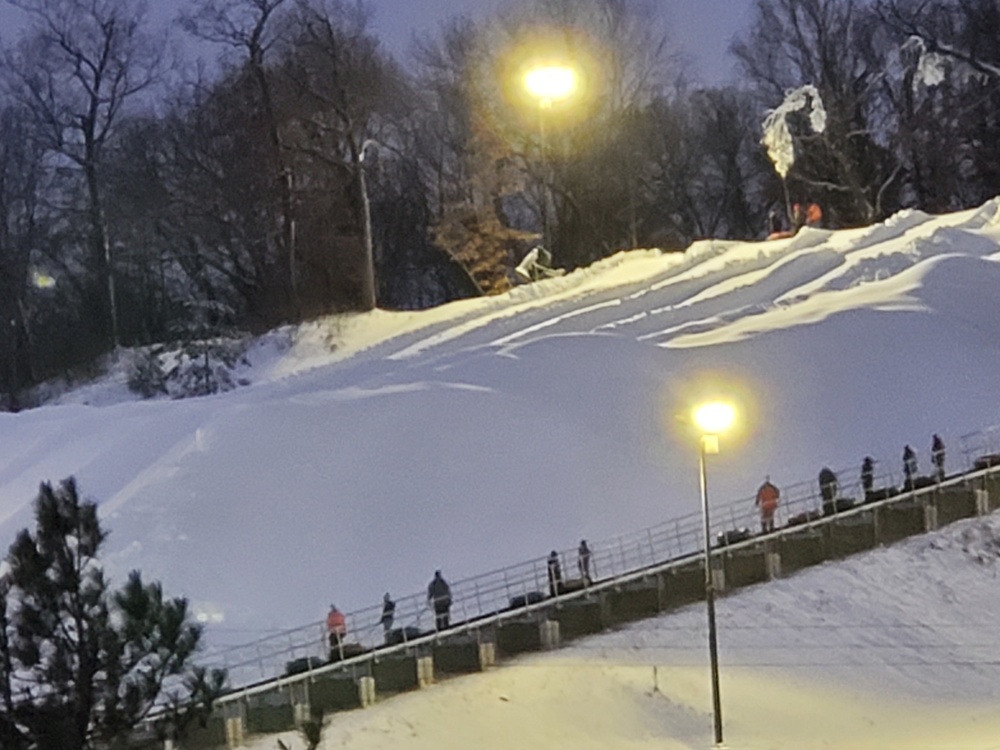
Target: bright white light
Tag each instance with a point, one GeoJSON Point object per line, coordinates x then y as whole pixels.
{"type": "Point", "coordinates": [715, 417]}
{"type": "Point", "coordinates": [550, 83]}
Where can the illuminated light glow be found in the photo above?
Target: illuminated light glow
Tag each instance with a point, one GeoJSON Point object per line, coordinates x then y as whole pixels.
{"type": "Point", "coordinates": [551, 83]}
{"type": "Point", "coordinates": [715, 417]}
{"type": "Point", "coordinates": [42, 280]}
{"type": "Point", "coordinates": [207, 617]}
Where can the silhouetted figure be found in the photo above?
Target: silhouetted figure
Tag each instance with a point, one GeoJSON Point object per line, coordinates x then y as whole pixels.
{"type": "Point", "coordinates": [798, 217]}
{"type": "Point", "coordinates": [909, 467]}
{"type": "Point", "coordinates": [937, 456]}
{"type": "Point", "coordinates": [868, 475]}
{"type": "Point", "coordinates": [767, 503]}
{"type": "Point", "coordinates": [388, 614]}
{"type": "Point", "coordinates": [828, 490]}
{"type": "Point", "coordinates": [583, 561]}
{"type": "Point", "coordinates": [439, 597]}
{"type": "Point", "coordinates": [555, 573]}
{"type": "Point", "coordinates": [773, 221]}
{"type": "Point", "coordinates": [336, 626]}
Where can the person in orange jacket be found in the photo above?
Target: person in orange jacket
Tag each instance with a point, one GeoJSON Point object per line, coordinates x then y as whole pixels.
{"type": "Point", "coordinates": [767, 502]}
{"type": "Point", "coordinates": [336, 626]}
{"type": "Point", "coordinates": [814, 215]}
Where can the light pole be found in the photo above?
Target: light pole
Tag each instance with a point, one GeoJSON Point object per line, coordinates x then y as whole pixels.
{"type": "Point", "coordinates": [712, 419]}
{"type": "Point", "coordinates": [548, 84]}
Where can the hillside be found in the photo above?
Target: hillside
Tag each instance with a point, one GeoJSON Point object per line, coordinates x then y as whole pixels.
{"type": "Point", "coordinates": [490, 431]}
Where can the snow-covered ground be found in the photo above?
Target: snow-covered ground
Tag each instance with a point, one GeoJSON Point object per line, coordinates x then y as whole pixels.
{"type": "Point", "coordinates": [370, 451]}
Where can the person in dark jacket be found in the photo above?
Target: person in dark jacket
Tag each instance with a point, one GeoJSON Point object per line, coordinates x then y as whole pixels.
{"type": "Point", "coordinates": [909, 467]}
{"type": "Point", "coordinates": [828, 490]}
{"type": "Point", "coordinates": [798, 217]}
{"type": "Point", "coordinates": [937, 456]}
{"type": "Point", "coordinates": [773, 221]}
{"type": "Point", "coordinates": [827, 484]}
{"type": "Point", "coordinates": [868, 475]}
{"type": "Point", "coordinates": [439, 597]}
{"type": "Point", "coordinates": [388, 614]}
{"type": "Point", "coordinates": [555, 573]}
{"type": "Point", "coordinates": [583, 561]}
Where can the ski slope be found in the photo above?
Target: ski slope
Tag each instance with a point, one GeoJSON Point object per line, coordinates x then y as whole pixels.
{"type": "Point", "coordinates": [369, 451]}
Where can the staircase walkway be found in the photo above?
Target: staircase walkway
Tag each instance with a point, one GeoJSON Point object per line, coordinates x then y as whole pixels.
{"type": "Point", "coordinates": [511, 611]}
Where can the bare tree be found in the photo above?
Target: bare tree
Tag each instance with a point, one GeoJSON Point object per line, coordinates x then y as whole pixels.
{"type": "Point", "coordinates": [20, 178]}
{"type": "Point", "coordinates": [578, 158]}
{"type": "Point", "coordinates": [468, 171]}
{"type": "Point", "coordinates": [77, 68]}
{"type": "Point", "coordinates": [340, 92]}
{"type": "Point", "coordinates": [830, 44]}
{"type": "Point", "coordinates": [250, 26]}
{"type": "Point", "coordinates": [220, 220]}
{"type": "Point", "coordinates": [945, 99]}
{"type": "Point", "coordinates": [967, 31]}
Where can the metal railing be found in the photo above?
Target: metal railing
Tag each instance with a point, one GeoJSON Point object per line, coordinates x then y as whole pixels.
{"type": "Point", "coordinates": [518, 588]}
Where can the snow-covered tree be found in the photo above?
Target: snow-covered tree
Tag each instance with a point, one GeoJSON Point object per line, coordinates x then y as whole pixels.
{"type": "Point", "coordinates": [778, 138]}
{"type": "Point", "coordinates": [835, 46]}
{"type": "Point", "coordinates": [81, 665]}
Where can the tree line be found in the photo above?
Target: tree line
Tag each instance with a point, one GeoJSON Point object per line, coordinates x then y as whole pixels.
{"type": "Point", "coordinates": [309, 171]}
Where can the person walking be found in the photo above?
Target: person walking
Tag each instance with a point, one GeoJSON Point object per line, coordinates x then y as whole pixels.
{"type": "Point", "coordinates": [583, 561]}
{"type": "Point", "coordinates": [767, 503]}
{"type": "Point", "coordinates": [388, 614]}
{"type": "Point", "coordinates": [336, 626]}
{"type": "Point", "coordinates": [439, 597]}
{"type": "Point", "coordinates": [555, 573]}
{"type": "Point", "coordinates": [909, 467]}
{"type": "Point", "coordinates": [868, 475]}
{"type": "Point", "coordinates": [937, 456]}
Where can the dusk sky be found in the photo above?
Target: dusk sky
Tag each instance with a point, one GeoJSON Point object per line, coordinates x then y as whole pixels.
{"type": "Point", "coordinates": [701, 28]}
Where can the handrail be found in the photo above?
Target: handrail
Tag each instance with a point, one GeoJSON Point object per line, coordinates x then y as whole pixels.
{"type": "Point", "coordinates": [488, 598]}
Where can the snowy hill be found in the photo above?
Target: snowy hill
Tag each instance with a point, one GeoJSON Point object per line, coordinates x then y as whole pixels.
{"type": "Point", "coordinates": [490, 431]}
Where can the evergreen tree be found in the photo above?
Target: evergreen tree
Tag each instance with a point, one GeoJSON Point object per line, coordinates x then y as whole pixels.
{"type": "Point", "coordinates": [81, 665]}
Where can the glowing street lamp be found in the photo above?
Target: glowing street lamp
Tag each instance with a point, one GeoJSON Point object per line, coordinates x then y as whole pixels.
{"type": "Point", "coordinates": [712, 419]}
{"type": "Point", "coordinates": [548, 84]}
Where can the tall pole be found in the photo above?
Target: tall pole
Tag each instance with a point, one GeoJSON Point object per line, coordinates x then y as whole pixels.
{"type": "Point", "coordinates": [713, 650]}
{"type": "Point", "coordinates": [369, 296]}
{"type": "Point", "coordinates": [544, 104]}
{"type": "Point", "coordinates": [548, 83]}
